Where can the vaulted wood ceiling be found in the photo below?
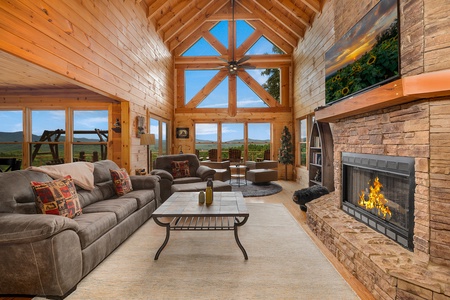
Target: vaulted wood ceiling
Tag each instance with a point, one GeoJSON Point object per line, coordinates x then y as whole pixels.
{"type": "Point", "coordinates": [180, 23]}
{"type": "Point", "coordinates": [283, 22]}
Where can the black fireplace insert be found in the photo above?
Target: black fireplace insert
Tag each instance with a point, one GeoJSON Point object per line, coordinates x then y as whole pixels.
{"type": "Point", "coordinates": [378, 190]}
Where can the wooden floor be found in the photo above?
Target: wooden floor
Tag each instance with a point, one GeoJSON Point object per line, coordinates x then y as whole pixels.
{"type": "Point", "coordinates": [285, 197]}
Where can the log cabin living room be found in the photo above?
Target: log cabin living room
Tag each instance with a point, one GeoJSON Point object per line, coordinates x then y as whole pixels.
{"type": "Point", "coordinates": [362, 86]}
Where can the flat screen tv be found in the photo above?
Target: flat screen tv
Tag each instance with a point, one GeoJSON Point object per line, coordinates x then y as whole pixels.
{"type": "Point", "coordinates": [366, 56]}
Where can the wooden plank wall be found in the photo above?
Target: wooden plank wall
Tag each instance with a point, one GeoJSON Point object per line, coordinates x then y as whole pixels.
{"type": "Point", "coordinates": [425, 47]}
{"type": "Point", "coordinates": [105, 46]}
{"type": "Point", "coordinates": [309, 72]}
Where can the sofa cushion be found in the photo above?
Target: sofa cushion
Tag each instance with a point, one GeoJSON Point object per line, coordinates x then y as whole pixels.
{"type": "Point", "coordinates": [89, 197]}
{"type": "Point", "coordinates": [57, 197]}
{"type": "Point", "coordinates": [121, 207]}
{"type": "Point", "coordinates": [180, 169]}
{"type": "Point", "coordinates": [183, 180]}
{"type": "Point", "coordinates": [122, 181]}
{"type": "Point", "coordinates": [143, 197]}
{"type": "Point", "coordinates": [93, 225]}
{"type": "Point", "coordinates": [101, 170]}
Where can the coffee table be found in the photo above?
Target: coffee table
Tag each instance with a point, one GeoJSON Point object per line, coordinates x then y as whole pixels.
{"type": "Point", "coordinates": [181, 211]}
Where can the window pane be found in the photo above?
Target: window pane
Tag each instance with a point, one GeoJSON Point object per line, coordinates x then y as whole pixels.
{"type": "Point", "coordinates": [87, 122]}
{"type": "Point", "coordinates": [220, 32]}
{"type": "Point", "coordinates": [154, 129]}
{"type": "Point", "coordinates": [258, 140]}
{"type": "Point", "coordinates": [164, 137]}
{"type": "Point", "coordinates": [246, 97]}
{"type": "Point", "coordinates": [303, 141]}
{"type": "Point", "coordinates": [205, 139]}
{"type": "Point", "coordinates": [11, 134]}
{"type": "Point", "coordinates": [243, 31]}
{"type": "Point", "coordinates": [89, 152]}
{"type": "Point", "coordinates": [201, 48]}
{"type": "Point", "coordinates": [232, 137]}
{"type": "Point", "coordinates": [90, 126]}
{"type": "Point", "coordinates": [218, 98]}
{"type": "Point", "coordinates": [47, 154]}
{"type": "Point", "coordinates": [48, 127]}
{"type": "Point", "coordinates": [195, 80]}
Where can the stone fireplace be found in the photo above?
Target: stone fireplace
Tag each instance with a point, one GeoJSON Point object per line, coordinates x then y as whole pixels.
{"type": "Point", "coordinates": [378, 190]}
{"type": "Point", "coordinates": [408, 258]}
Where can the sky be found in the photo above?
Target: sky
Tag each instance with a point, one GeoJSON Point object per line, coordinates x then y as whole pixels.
{"type": "Point", "coordinates": [362, 37]}
{"type": "Point", "coordinates": [89, 120]}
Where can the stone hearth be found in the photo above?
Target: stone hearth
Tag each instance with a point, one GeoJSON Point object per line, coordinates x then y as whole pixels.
{"type": "Point", "coordinates": [388, 270]}
{"type": "Point", "coordinates": [419, 130]}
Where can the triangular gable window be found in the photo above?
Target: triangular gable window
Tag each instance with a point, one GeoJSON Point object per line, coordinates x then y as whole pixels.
{"type": "Point", "coordinates": [246, 97]}
{"type": "Point", "coordinates": [263, 46]}
{"type": "Point", "coordinates": [243, 31]}
{"type": "Point", "coordinates": [220, 32]}
{"type": "Point", "coordinates": [195, 81]}
{"type": "Point", "coordinates": [218, 98]}
{"type": "Point", "coordinates": [201, 48]}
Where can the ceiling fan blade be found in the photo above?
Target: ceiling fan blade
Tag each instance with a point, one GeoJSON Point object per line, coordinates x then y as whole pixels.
{"type": "Point", "coordinates": [223, 59]}
{"type": "Point", "coordinates": [247, 67]}
{"type": "Point", "coordinates": [244, 58]}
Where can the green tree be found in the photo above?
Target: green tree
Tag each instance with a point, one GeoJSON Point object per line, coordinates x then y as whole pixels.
{"type": "Point", "coordinates": [272, 85]}
{"type": "Point", "coordinates": [285, 154]}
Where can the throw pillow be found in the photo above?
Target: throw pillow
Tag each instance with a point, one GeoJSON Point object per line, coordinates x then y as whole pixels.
{"type": "Point", "coordinates": [180, 169]}
{"type": "Point", "coordinates": [122, 181]}
{"type": "Point", "coordinates": [57, 197]}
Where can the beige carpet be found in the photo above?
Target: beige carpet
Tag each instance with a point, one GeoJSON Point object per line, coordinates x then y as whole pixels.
{"type": "Point", "coordinates": [283, 264]}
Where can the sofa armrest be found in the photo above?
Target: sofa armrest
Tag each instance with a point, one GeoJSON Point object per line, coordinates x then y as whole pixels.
{"type": "Point", "coordinates": [27, 228]}
{"type": "Point", "coordinates": [163, 174]}
{"type": "Point", "coordinates": [205, 172]}
{"type": "Point", "coordinates": [144, 182]}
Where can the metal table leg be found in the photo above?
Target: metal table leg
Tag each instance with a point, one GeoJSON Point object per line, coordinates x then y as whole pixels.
{"type": "Point", "coordinates": [237, 224]}
{"type": "Point", "coordinates": [167, 225]}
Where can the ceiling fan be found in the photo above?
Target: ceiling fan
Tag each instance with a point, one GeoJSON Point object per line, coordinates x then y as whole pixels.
{"type": "Point", "coordinates": [233, 64]}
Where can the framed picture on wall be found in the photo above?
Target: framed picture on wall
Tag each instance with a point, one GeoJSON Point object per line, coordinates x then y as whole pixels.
{"type": "Point", "coordinates": [182, 133]}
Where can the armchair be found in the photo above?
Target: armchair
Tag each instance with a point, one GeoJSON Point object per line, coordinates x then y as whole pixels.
{"type": "Point", "coordinates": [234, 155]}
{"type": "Point", "coordinates": [172, 170]}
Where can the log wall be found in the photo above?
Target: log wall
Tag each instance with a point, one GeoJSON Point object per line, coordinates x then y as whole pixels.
{"type": "Point", "coordinates": [104, 46]}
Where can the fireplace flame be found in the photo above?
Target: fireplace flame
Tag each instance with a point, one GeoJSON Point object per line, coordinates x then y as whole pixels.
{"type": "Point", "coordinates": [375, 199]}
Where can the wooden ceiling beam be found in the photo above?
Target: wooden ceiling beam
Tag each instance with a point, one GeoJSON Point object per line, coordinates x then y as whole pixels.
{"type": "Point", "coordinates": [296, 12]}
{"type": "Point", "coordinates": [274, 37]}
{"type": "Point", "coordinates": [192, 62]}
{"type": "Point", "coordinates": [248, 43]}
{"type": "Point", "coordinates": [179, 48]}
{"type": "Point", "coordinates": [170, 15]}
{"type": "Point", "coordinates": [155, 6]}
{"type": "Point", "coordinates": [272, 23]}
{"type": "Point", "coordinates": [192, 17]}
{"type": "Point", "coordinates": [314, 5]}
{"type": "Point", "coordinates": [282, 16]}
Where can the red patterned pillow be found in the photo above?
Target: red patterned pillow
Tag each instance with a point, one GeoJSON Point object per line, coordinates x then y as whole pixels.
{"type": "Point", "coordinates": [122, 181]}
{"type": "Point", "coordinates": [57, 197]}
{"type": "Point", "coordinates": [180, 169]}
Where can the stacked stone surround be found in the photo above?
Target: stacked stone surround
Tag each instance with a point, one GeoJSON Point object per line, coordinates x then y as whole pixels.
{"type": "Point", "coordinates": [419, 129]}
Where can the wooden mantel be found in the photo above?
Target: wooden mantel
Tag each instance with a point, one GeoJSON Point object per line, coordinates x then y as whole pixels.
{"type": "Point", "coordinates": [427, 85]}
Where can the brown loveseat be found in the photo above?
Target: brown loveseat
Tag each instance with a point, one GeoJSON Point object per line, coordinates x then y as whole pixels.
{"type": "Point", "coordinates": [164, 169]}
{"type": "Point", "coordinates": [47, 255]}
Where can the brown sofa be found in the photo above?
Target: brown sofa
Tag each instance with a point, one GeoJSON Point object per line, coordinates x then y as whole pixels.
{"type": "Point", "coordinates": [163, 168]}
{"type": "Point", "coordinates": [48, 255]}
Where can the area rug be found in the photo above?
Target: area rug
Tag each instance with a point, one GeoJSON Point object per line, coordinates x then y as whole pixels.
{"type": "Point", "coordinates": [257, 190]}
{"type": "Point", "coordinates": [283, 263]}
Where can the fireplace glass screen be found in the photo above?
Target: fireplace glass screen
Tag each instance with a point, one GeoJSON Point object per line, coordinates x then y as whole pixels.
{"type": "Point", "coordinates": [379, 191]}
{"type": "Point", "coordinates": [382, 194]}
